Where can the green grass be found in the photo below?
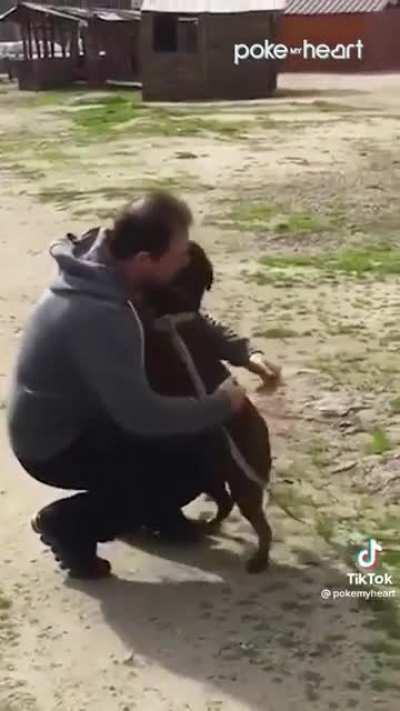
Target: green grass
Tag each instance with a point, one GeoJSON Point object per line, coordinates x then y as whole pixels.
{"type": "Point", "coordinates": [344, 329]}
{"type": "Point", "coordinates": [332, 107]}
{"type": "Point", "coordinates": [395, 406]}
{"type": "Point", "coordinates": [380, 442]}
{"type": "Point", "coordinates": [258, 215]}
{"type": "Point", "coordinates": [384, 684]}
{"type": "Point", "coordinates": [79, 201]}
{"type": "Point", "coordinates": [325, 527]}
{"type": "Point", "coordinates": [376, 260]}
{"type": "Point", "coordinates": [5, 604]}
{"type": "Point", "coordinates": [318, 452]}
{"type": "Point", "coordinates": [386, 616]}
{"type": "Point", "coordinates": [65, 197]}
{"type": "Point", "coordinates": [277, 332]}
{"type": "Point", "coordinates": [282, 280]}
{"type": "Point", "coordinates": [114, 116]}
{"type": "Point", "coordinates": [382, 646]}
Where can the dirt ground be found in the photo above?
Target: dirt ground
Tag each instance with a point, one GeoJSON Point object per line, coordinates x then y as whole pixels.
{"type": "Point", "coordinates": [309, 180]}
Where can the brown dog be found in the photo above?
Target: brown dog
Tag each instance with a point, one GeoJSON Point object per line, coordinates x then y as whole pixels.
{"type": "Point", "coordinates": [182, 359]}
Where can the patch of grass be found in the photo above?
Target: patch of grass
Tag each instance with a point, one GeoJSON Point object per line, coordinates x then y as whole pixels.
{"type": "Point", "coordinates": [393, 663]}
{"type": "Point", "coordinates": [376, 260]}
{"type": "Point", "coordinates": [395, 406]}
{"type": "Point", "coordinates": [318, 453]}
{"type": "Point", "coordinates": [325, 527]}
{"type": "Point", "coordinates": [356, 371]}
{"type": "Point", "coordinates": [380, 442]}
{"type": "Point", "coordinates": [186, 155]}
{"type": "Point", "coordinates": [386, 615]}
{"type": "Point", "coordinates": [5, 603]}
{"type": "Point", "coordinates": [65, 197]}
{"type": "Point", "coordinates": [277, 332]}
{"type": "Point", "coordinates": [111, 116]}
{"type": "Point", "coordinates": [299, 223]}
{"type": "Point", "coordinates": [332, 107]}
{"type": "Point", "coordinates": [345, 329]}
{"type": "Point", "coordinates": [98, 120]}
{"type": "Point", "coordinates": [256, 215]}
{"type": "Point", "coordinates": [383, 684]}
{"type": "Point", "coordinates": [328, 365]}
{"type": "Point", "coordinates": [291, 500]}
{"type": "Point", "coordinates": [280, 280]}
{"type": "Point", "coordinates": [390, 337]}
{"type": "Point", "coordinates": [382, 646]}
{"type": "Point", "coordinates": [20, 151]}
{"type": "Point", "coordinates": [25, 172]}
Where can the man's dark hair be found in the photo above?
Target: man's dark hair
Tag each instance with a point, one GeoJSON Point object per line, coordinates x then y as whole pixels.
{"type": "Point", "coordinates": [148, 225]}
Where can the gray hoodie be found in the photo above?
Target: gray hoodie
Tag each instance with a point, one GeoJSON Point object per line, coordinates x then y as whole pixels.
{"type": "Point", "coordinates": [82, 358]}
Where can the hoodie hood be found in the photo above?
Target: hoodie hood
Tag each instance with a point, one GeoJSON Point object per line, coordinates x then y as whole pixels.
{"type": "Point", "coordinates": [86, 267]}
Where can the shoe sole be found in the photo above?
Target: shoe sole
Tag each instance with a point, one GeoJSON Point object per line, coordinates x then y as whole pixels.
{"type": "Point", "coordinates": [103, 569]}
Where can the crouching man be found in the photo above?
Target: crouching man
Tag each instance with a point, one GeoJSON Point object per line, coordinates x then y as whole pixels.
{"type": "Point", "coordinates": [81, 414]}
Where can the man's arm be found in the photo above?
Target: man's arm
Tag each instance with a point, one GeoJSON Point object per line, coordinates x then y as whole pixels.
{"type": "Point", "coordinates": [226, 343]}
{"type": "Point", "coordinates": [106, 344]}
{"type": "Point", "coordinates": [239, 352]}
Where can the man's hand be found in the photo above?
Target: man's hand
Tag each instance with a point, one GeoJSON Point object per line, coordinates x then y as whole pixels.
{"type": "Point", "coordinates": [235, 393]}
{"type": "Point", "coordinates": [269, 373]}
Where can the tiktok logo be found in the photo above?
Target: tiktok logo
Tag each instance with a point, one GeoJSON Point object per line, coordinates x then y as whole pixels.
{"type": "Point", "coordinates": [367, 558]}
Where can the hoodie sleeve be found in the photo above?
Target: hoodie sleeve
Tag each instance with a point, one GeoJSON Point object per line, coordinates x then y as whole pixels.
{"type": "Point", "coordinates": [226, 343]}
{"type": "Point", "coordinates": [106, 343]}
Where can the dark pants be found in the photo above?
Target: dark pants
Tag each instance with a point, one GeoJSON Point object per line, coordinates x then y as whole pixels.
{"type": "Point", "coordinates": [125, 482]}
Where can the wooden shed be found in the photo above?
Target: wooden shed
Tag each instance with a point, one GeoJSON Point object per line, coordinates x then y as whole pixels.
{"type": "Point", "coordinates": [65, 44]}
{"type": "Point", "coordinates": [187, 49]}
{"type": "Point", "coordinates": [8, 31]}
{"type": "Point", "coordinates": [376, 23]}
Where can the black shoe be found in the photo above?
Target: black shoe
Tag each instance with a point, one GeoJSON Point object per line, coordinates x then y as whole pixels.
{"type": "Point", "coordinates": [80, 561]}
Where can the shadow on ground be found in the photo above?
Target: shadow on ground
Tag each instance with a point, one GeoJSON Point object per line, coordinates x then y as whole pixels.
{"type": "Point", "coordinates": [244, 635]}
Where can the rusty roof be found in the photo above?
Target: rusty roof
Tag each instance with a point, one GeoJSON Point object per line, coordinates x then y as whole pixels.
{"type": "Point", "coordinates": [325, 7]}
{"type": "Point", "coordinates": [197, 7]}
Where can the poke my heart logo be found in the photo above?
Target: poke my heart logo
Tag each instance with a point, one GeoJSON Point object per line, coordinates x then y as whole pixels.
{"type": "Point", "coordinates": [367, 558]}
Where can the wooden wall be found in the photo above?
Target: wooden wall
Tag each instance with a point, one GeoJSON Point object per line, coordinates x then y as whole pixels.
{"type": "Point", "coordinates": [379, 32]}
{"type": "Point", "coordinates": [210, 73]}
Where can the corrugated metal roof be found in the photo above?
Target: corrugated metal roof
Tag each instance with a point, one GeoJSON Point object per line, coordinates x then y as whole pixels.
{"type": "Point", "coordinates": [325, 7]}
{"type": "Point", "coordinates": [74, 14]}
{"type": "Point", "coordinates": [108, 14]}
{"type": "Point", "coordinates": [197, 7]}
{"type": "Point", "coordinates": [57, 12]}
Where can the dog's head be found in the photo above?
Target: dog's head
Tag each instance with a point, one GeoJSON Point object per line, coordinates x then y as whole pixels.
{"type": "Point", "coordinates": [196, 278]}
{"type": "Point", "coordinates": [186, 291]}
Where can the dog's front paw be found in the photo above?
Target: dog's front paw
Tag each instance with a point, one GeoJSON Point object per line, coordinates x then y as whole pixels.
{"type": "Point", "coordinates": [258, 563]}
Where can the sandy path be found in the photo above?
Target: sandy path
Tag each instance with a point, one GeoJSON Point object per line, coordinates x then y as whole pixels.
{"type": "Point", "coordinates": [175, 629]}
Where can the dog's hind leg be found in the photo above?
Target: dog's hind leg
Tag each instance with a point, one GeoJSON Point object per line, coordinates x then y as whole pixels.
{"type": "Point", "coordinates": [252, 508]}
{"type": "Point", "coordinates": [224, 502]}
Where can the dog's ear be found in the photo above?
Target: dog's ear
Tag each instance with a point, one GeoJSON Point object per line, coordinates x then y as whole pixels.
{"type": "Point", "coordinates": [201, 265]}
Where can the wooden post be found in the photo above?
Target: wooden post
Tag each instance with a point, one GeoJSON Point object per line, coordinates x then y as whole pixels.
{"type": "Point", "coordinates": [37, 43]}
{"type": "Point", "coordinates": [52, 39]}
{"type": "Point", "coordinates": [24, 34]}
{"type": "Point", "coordinates": [74, 43]}
{"type": "Point", "coordinates": [30, 48]}
{"type": "Point", "coordinates": [202, 48]}
{"type": "Point", "coordinates": [61, 36]}
{"type": "Point", "coordinates": [44, 40]}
